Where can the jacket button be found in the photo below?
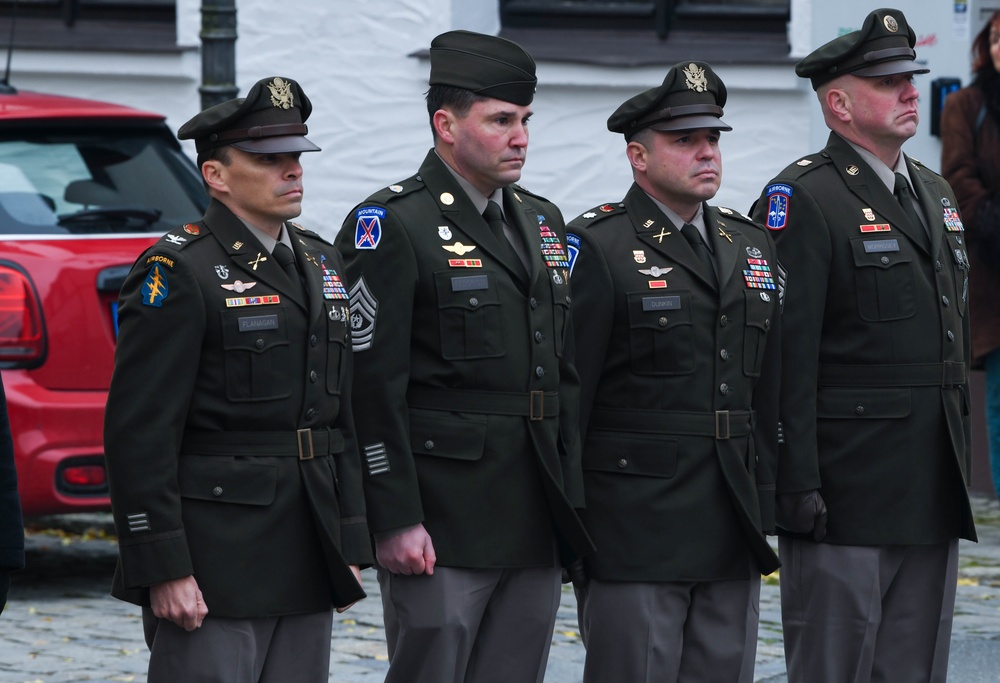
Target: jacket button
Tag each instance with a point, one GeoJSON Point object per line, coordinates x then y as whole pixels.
{"type": "Point", "coordinates": [539, 371]}
{"type": "Point", "coordinates": [313, 376]}
{"type": "Point", "coordinates": [539, 337]}
{"type": "Point", "coordinates": [884, 260]}
{"type": "Point", "coordinates": [723, 388]}
{"type": "Point", "coordinates": [473, 301]}
{"type": "Point", "coordinates": [259, 343]}
{"type": "Point", "coordinates": [217, 491]}
{"type": "Point", "coordinates": [623, 462]}
{"type": "Point", "coordinates": [724, 320]}
{"type": "Point", "coordinates": [313, 341]}
{"type": "Point", "coordinates": [951, 336]}
{"type": "Point", "coordinates": [945, 301]}
{"type": "Point", "coordinates": [662, 321]}
{"type": "Point", "coordinates": [429, 445]}
{"type": "Point", "coordinates": [938, 266]}
{"type": "Point", "coordinates": [311, 413]}
{"type": "Point", "coordinates": [860, 410]}
{"type": "Point", "coordinates": [533, 302]}
{"type": "Point", "coordinates": [767, 323]}
{"type": "Point", "coordinates": [724, 355]}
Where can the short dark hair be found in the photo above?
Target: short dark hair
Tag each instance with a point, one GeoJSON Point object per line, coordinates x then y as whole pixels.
{"type": "Point", "coordinates": [982, 63]}
{"type": "Point", "coordinates": [457, 100]}
{"type": "Point", "coordinates": [220, 154]}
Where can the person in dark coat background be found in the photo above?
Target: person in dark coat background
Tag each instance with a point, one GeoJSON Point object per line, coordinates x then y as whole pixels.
{"type": "Point", "coordinates": [970, 162]}
{"type": "Point", "coordinates": [464, 386]}
{"type": "Point", "coordinates": [675, 307]}
{"type": "Point", "coordinates": [874, 461]}
{"type": "Point", "coordinates": [234, 471]}
{"type": "Point", "coordinates": [11, 525]}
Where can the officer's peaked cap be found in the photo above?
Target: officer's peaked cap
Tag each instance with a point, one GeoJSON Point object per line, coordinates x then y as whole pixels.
{"type": "Point", "coordinates": [269, 120]}
{"type": "Point", "coordinates": [487, 65]}
{"type": "Point", "coordinates": [882, 47]}
{"type": "Point", "coordinates": [691, 96]}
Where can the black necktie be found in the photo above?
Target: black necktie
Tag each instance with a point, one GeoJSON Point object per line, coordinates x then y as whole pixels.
{"type": "Point", "coordinates": [693, 237]}
{"type": "Point", "coordinates": [494, 217]}
{"type": "Point", "coordinates": [286, 259]}
{"type": "Point", "coordinates": [902, 194]}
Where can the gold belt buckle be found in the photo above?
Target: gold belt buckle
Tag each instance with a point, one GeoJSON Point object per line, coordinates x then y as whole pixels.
{"type": "Point", "coordinates": [536, 405]}
{"type": "Point", "coordinates": [721, 424]}
{"type": "Point", "coordinates": [305, 438]}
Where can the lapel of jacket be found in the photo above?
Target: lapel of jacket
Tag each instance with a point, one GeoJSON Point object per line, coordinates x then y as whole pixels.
{"type": "Point", "coordinates": [930, 201]}
{"type": "Point", "coordinates": [863, 182]}
{"type": "Point", "coordinates": [246, 251]}
{"type": "Point", "coordinates": [310, 260]}
{"type": "Point", "coordinates": [654, 229]}
{"type": "Point", "coordinates": [459, 211]}
{"type": "Point", "coordinates": [525, 220]}
{"type": "Point", "coordinates": [726, 240]}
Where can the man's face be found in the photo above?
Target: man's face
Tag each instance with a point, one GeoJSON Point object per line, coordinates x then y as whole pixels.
{"type": "Point", "coordinates": [264, 189]}
{"type": "Point", "coordinates": [683, 168]}
{"type": "Point", "coordinates": [490, 143]}
{"type": "Point", "coordinates": [883, 109]}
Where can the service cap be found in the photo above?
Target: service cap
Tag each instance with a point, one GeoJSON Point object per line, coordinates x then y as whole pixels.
{"type": "Point", "coordinates": [269, 120]}
{"type": "Point", "coordinates": [882, 47]}
{"type": "Point", "coordinates": [487, 65]}
{"type": "Point", "coordinates": [691, 96]}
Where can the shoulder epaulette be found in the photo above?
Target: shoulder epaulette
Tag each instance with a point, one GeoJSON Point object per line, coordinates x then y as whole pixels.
{"type": "Point", "coordinates": [804, 165]}
{"type": "Point", "coordinates": [396, 190]}
{"type": "Point", "coordinates": [183, 236]}
{"type": "Point", "coordinates": [733, 213]}
{"type": "Point", "coordinates": [597, 214]}
{"type": "Point", "coordinates": [309, 233]}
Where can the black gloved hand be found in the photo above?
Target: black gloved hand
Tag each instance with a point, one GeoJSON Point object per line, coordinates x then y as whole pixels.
{"type": "Point", "coordinates": [802, 512]}
{"type": "Point", "coordinates": [576, 573]}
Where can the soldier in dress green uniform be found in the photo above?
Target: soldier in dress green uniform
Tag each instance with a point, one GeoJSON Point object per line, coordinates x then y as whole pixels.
{"type": "Point", "coordinates": [873, 468]}
{"type": "Point", "coordinates": [235, 474]}
{"type": "Point", "coordinates": [675, 306]}
{"type": "Point", "coordinates": [464, 385]}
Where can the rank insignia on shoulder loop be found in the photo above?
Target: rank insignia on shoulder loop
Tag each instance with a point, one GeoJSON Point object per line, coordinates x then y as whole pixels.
{"type": "Point", "coordinates": [572, 249]}
{"type": "Point", "coordinates": [779, 197]}
{"type": "Point", "coordinates": [175, 239]}
{"type": "Point", "coordinates": [396, 188]}
{"type": "Point", "coordinates": [192, 229]}
{"type": "Point", "coordinates": [639, 255]}
{"type": "Point", "coordinates": [803, 162]}
{"type": "Point", "coordinates": [239, 286]}
{"type": "Point", "coordinates": [222, 271]}
{"type": "Point", "coordinates": [952, 221]}
{"type": "Point", "coordinates": [590, 214]}
{"type": "Point", "coordinates": [458, 248]}
{"type": "Point", "coordinates": [155, 289]}
{"type": "Point", "coordinates": [444, 232]}
{"type": "Point", "coordinates": [368, 231]}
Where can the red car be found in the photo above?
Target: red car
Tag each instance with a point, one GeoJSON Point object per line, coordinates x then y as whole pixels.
{"type": "Point", "coordinates": [84, 188]}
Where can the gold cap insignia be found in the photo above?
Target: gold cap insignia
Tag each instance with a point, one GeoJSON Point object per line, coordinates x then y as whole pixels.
{"type": "Point", "coordinates": [891, 25]}
{"type": "Point", "coordinates": [695, 78]}
{"type": "Point", "coordinates": [458, 248]}
{"type": "Point", "coordinates": [281, 93]}
{"type": "Point", "coordinates": [447, 198]}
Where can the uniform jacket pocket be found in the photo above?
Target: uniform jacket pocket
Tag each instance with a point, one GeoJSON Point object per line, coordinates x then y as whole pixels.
{"type": "Point", "coordinates": [661, 333]}
{"type": "Point", "coordinates": [256, 351]}
{"type": "Point", "coordinates": [470, 317]}
{"type": "Point", "coordinates": [225, 480]}
{"type": "Point", "coordinates": [622, 453]}
{"type": "Point", "coordinates": [866, 403]}
{"type": "Point", "coordinates": [446, 435]}
{"type": "Point", "coordinates": [884, 278]}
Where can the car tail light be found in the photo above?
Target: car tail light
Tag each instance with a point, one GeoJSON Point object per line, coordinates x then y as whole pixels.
{"type": "Point", "coordinates": [82, 476]}
{"type": "Point", "coordinates": [22, 336]}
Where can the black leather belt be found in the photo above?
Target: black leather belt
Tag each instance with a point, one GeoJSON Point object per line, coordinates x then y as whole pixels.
{"type": "Point", "coordinates": [534, 405]}
{"type": "Point", "coordinates": [304, 444]}
{"type": "Point", "coordinates": [721, 424]}
{"type": "Point", "coordinates": [947, 374]}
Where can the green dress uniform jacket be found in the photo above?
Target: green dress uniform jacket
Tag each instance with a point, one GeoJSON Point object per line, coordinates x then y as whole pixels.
{"type": "Point", "coordinates": [225, 384]}
{"type": "Point", "coordinates": [465, 393]}
{"type": "Point", "coordinates": [874, 397]}
{"type": "Point", "coordinates": [675, 372]}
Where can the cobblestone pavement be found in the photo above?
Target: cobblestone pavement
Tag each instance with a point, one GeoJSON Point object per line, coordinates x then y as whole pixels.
{"type": "Point", "coordinates": [61, 625]}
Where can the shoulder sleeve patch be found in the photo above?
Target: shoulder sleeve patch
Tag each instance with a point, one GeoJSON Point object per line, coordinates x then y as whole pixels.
{"type": "Point", "coordinates": [155, 288]}
{"type": "Point", "coordinates": [573, 249]}
{"type": "Point", "coordinates": [779, 199]}
{"type": "Point", "coordinates": [368, 230]}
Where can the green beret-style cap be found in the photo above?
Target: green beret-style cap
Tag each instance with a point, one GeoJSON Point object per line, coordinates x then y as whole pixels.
{"type": "Point", "coordinates": [691, 96]}
{"type": "Point", "coordinates": [269, 120]}
{"type": "Point", "coordinates": [883, 47]}
{"type": "Point", "coordinates": [487, 65]}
